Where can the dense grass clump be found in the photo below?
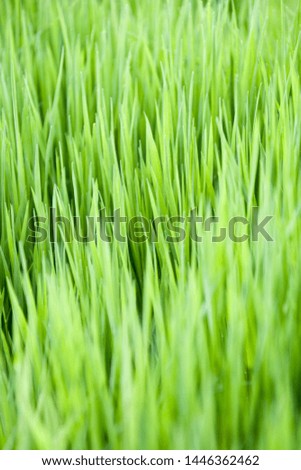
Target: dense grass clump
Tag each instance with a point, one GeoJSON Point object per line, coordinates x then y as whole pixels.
{"type": "Point", "coordinates": [155, 108]}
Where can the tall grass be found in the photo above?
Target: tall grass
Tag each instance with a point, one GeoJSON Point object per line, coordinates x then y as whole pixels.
{"type": "Point", "coordinates": [153, 107]}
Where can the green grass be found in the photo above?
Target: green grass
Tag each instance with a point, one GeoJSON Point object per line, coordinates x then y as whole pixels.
{"type": "Point", "coordinates": [154, 107]}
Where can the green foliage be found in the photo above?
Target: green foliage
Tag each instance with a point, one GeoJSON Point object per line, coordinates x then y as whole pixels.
{"type": "Point", "coordinates": [154, 107]}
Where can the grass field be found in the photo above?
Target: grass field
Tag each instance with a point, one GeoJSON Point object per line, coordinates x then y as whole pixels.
{"type": "Point", "coordinates": [155, 108]}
